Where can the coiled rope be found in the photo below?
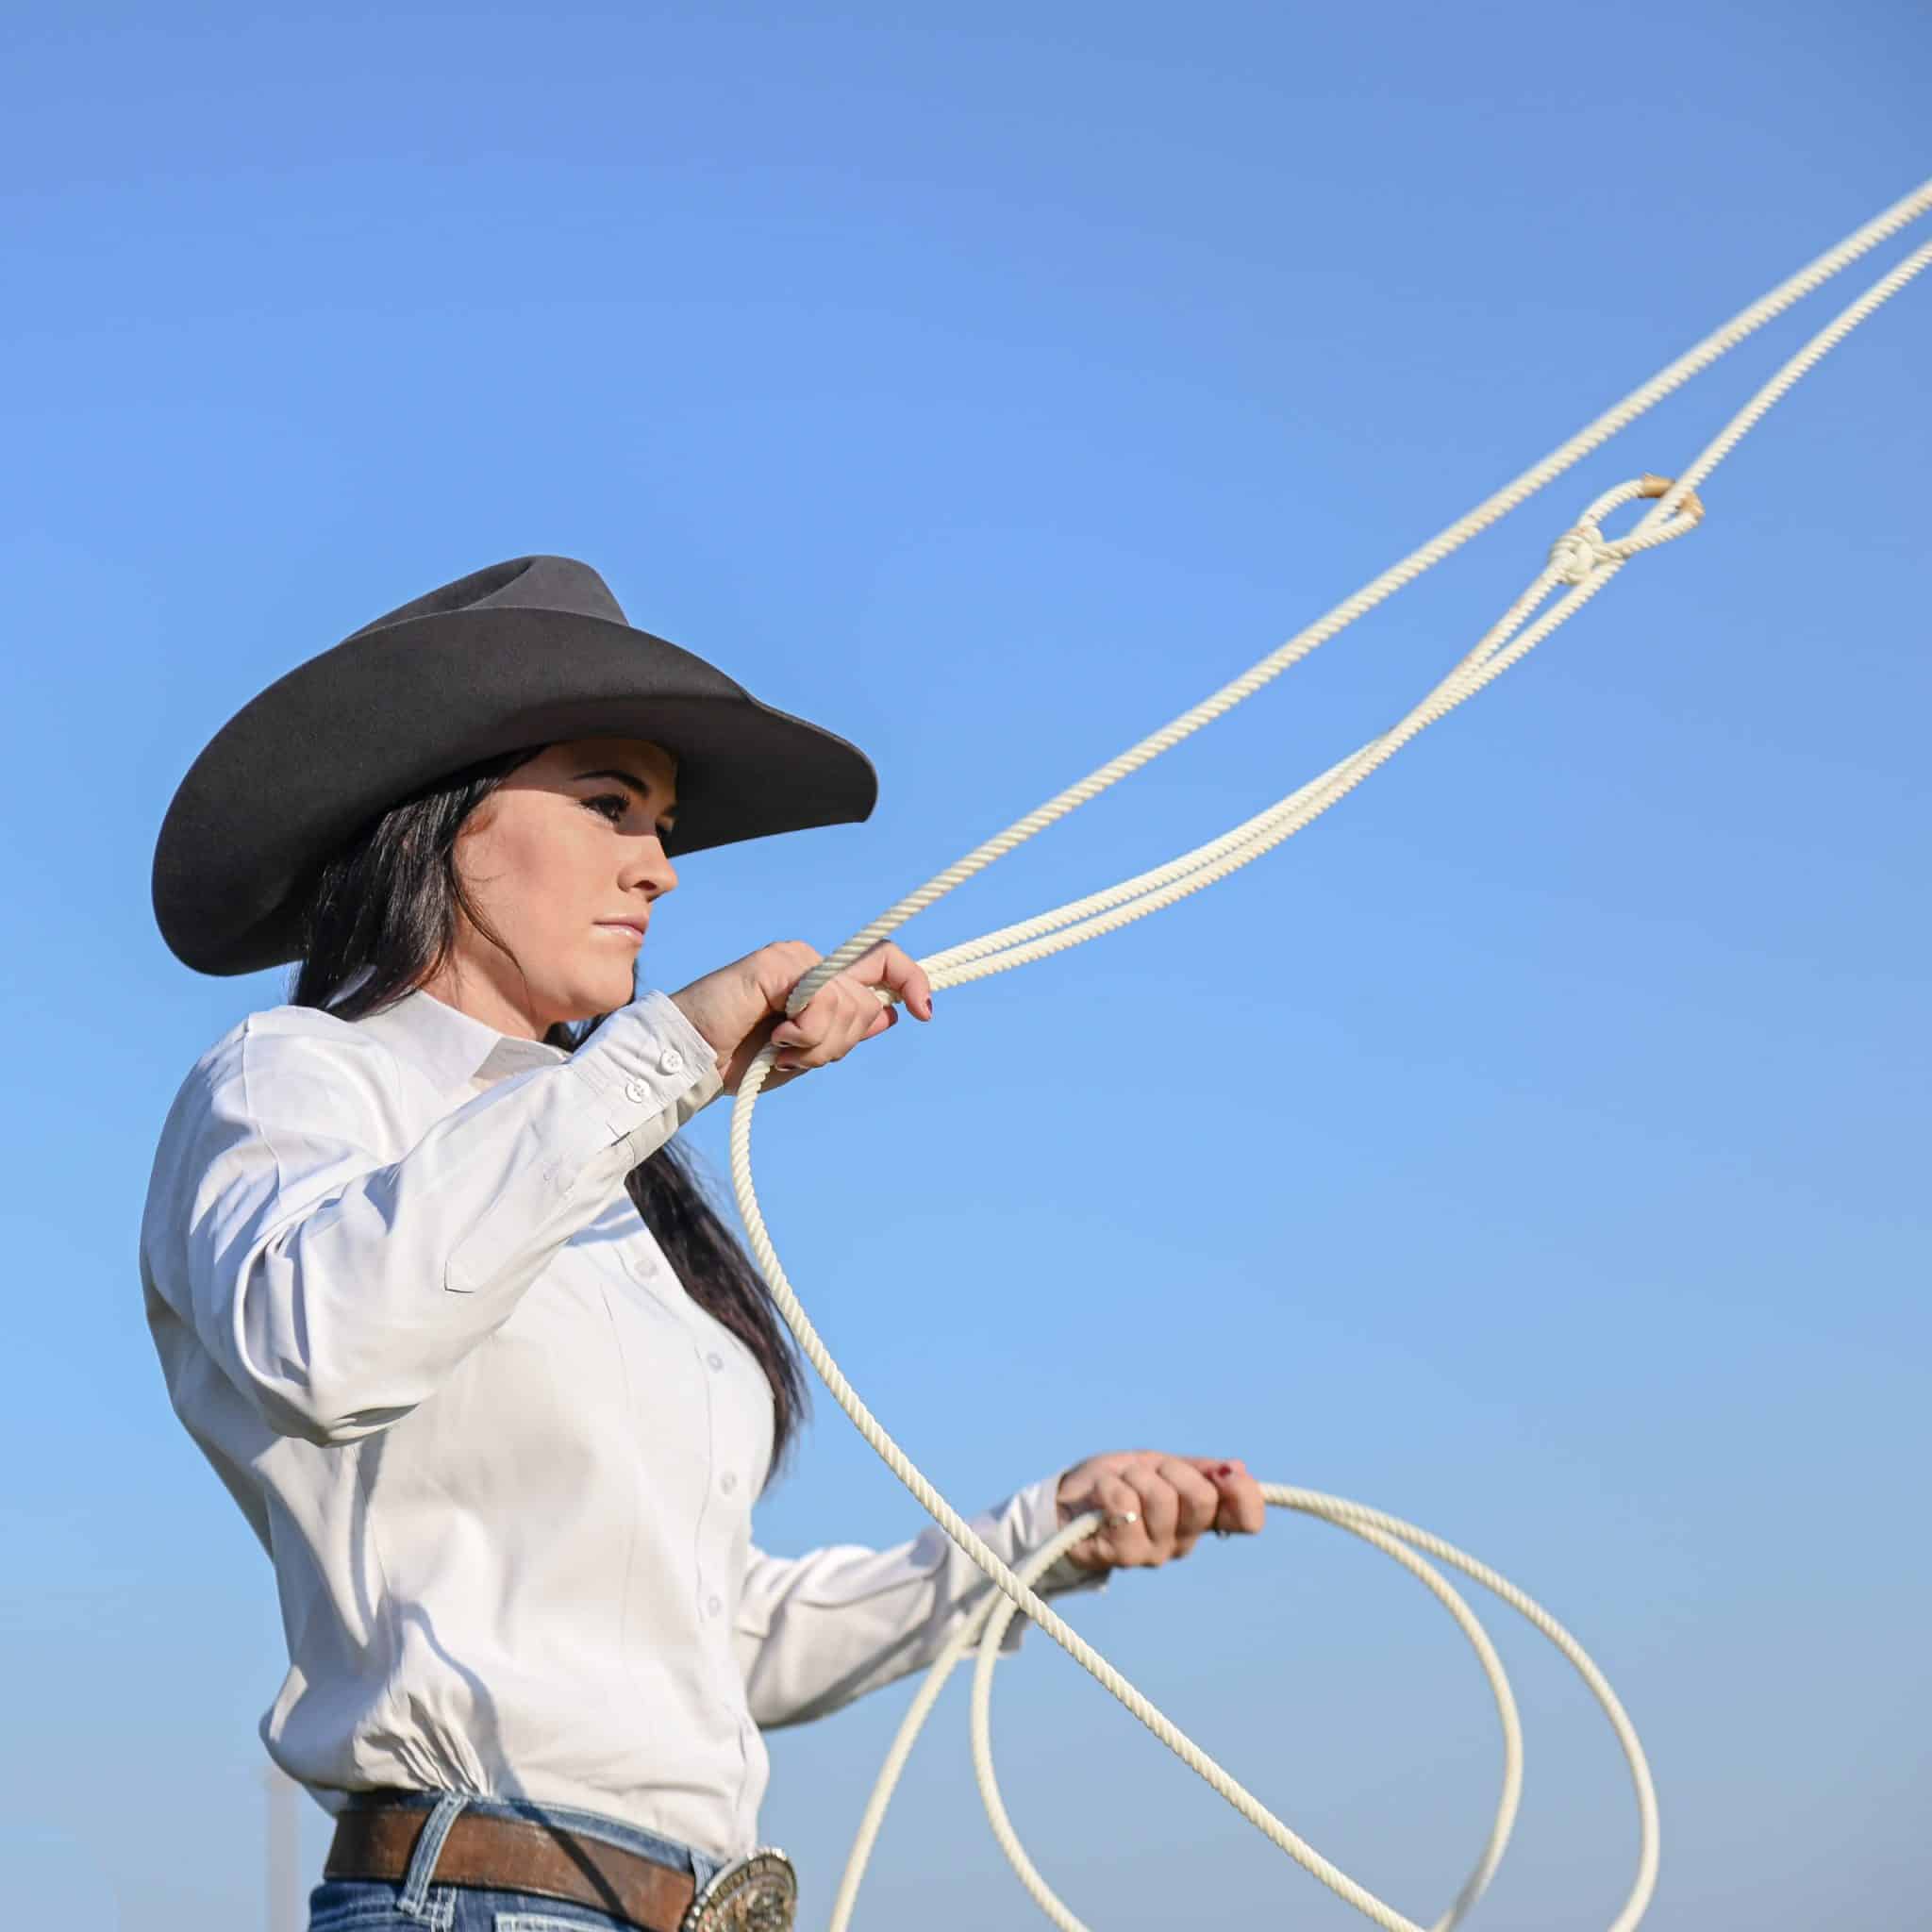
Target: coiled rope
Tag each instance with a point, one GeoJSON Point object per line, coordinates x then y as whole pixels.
{"type": "Point", "coordinates": [1581, 563]}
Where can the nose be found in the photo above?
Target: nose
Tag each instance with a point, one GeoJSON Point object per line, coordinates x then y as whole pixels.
{"type": "Point", "coordinates": [652, 873]}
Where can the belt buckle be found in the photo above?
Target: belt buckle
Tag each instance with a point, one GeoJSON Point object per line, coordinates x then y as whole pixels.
{"type": "Point", "coordinates": [758, 1892]}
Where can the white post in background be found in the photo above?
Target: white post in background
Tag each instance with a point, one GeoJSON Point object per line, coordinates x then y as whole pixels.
{"type": "Point", "coordinates": [284, 1853]}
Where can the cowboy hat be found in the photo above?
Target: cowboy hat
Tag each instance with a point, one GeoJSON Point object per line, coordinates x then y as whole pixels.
{"type": "Point", "coordinates": [527, 652]}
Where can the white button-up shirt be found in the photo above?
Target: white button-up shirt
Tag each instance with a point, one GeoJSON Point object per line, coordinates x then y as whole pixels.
{"type": "Point", "coordinates": [503, 1463]}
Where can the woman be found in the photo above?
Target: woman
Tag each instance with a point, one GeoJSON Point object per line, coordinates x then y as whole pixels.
{"type": "Point", "coordinates": [434, 1292]}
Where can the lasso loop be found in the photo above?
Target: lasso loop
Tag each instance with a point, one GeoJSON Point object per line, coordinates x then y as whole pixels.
{"type": "Point", "coordinates": [1581, 550]}
{"type": "Point", "coordinates": [1582, 560]}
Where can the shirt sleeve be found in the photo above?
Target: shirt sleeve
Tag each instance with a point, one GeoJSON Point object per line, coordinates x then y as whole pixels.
{"type": "Point", "coordinates": [335, 1286]}
{"type": "Point", "coordinates": [816, 1631]}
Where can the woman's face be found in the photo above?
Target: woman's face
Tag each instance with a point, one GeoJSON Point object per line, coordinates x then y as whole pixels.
{"type": "Point", "coordinates": [565, 860]}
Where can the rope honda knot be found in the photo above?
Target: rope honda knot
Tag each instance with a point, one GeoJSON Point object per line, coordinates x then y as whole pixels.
{"type": "Point", "coordinates": [1580, 552]}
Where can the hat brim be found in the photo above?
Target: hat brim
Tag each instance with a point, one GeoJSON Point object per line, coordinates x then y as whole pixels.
{"type": "Point", "coordinates": [351, 732]}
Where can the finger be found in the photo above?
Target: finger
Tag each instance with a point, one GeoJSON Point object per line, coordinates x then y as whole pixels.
{"type": "Point", "coordinates": [1160, 1509]}
{"type": "Point", "coordinates": [907, 979]}
{"type": "Point", "coordinates": [861, 1018]}
{"type": "Point", "coordinates": [1199, 1499]}
{"type": "Point", "coordinates": [857, 1015]}
{"type": "Point", "coordinates": [852, 1010]}
{"type": "Point", "coordinates": [816, 1035]}
{"type": "Point", "coordinates": [779, 967]}
{"type": "Point", "coordinates": [1123, 1536]}
{"type": "Point", "coordinates": [842, 1013]}
{"type": "Point", "coordinates": [802, 1031]}
{"type": "Point", "coordinates": [1242, 1507]}
{"type": "Point", "coordinates": [1220, 1470]}
{"type": "Point", "coordinates": [901, 974]}
{"type": "Point", "coordinates": [782, 1064]}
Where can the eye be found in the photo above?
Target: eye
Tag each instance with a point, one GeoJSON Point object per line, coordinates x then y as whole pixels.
{"type": "Point", "coordinates": [619, 805]}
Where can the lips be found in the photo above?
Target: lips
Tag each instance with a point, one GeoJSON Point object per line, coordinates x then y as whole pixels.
{"type": "Point", "coordinates": [636, 926]}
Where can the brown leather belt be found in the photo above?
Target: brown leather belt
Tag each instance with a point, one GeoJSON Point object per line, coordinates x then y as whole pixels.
{"type": "Point", "coordinates": [514, 1854]}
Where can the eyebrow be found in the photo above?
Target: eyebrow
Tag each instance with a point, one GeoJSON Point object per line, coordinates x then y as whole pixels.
{"type": "Point", "coordinates": [642, 791]}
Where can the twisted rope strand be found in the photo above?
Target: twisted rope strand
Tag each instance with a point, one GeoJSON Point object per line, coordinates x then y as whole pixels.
{"type": "Point", "coordinates": [1579, 557]}
{"type": "Point", "coordinates": [1583, 560]}
{"type": "Point", "coordinates": [999, 1612]}
{"type": "Point", "coordinates": [1001, 951]}
{"type": "Point", "coordinates": [984, 1556]}
{"type": "Point", "coordinates": [1599, 432]}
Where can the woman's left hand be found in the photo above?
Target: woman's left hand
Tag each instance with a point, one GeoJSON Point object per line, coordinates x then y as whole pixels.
{"type": "Point", "coordinates": [1156, 1505]}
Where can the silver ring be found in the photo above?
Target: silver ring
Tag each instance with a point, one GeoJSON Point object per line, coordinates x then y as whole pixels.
{"type": "Point", "coordinates": [1126, 1516]}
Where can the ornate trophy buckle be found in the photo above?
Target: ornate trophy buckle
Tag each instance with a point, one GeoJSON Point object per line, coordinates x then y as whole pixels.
{"type": "Point", "coordinates": [758, 1892]}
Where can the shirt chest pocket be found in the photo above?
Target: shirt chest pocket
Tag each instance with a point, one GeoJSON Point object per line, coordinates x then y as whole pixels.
{"type": "Point", "coordinates": [695, 1401]}
{"type": "Point", "coordinates": [606, 1285]}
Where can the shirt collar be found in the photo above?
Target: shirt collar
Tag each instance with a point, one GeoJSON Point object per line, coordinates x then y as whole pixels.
{"type": "Point", "coordinates": [453, 1048]}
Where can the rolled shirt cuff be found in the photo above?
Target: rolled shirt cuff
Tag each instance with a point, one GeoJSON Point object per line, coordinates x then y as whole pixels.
{"type": "Point", "coordinates": [646, 1061]}
{"type": "Point", "coordinates": [1038, 1523]}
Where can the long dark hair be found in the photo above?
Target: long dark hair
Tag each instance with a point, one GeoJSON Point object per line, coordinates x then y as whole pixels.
{"type": "Point", "coordinates": [389, 900]}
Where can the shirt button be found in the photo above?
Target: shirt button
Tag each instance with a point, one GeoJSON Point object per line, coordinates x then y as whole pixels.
{"type": "Point", "coordinates": [728, 1482]}
{"type": "Point", "coordinates": [638, 1091]}
{"type": "Point", "coordinates": [671, 1062]}
{"type": "Point", "coordinates": [641, 1264]}
{"type": "Point", "coordinates": [715, 1359]}
{"type": "Point", "coordinates": [713, 1604]}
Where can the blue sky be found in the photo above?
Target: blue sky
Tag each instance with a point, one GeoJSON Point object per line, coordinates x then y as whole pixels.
{"type": "Point", "coordinates": [1535, 1148]}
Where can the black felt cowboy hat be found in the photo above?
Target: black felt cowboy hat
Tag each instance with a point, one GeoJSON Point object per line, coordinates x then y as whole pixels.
{"type": "Point", "coordinates": [524, 653]}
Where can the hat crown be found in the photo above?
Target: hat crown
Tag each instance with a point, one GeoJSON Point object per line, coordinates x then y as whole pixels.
{"type": "Point", "coordinates": [519, 583]}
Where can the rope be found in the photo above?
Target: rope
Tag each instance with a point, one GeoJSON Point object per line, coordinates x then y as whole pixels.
{"type": "Point", "coordinates": [987, 1625]}
{"type": "Point", "coordinates": [1581, 563]}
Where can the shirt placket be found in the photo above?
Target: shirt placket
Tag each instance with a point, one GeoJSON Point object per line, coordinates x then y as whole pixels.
{"type": "Point", "coordinates": [730, 1454]}
{"type": "Point", "coordinates": [713, 1539]}
{"type": "Point", "coordinates": [727, 1443]}
{"type": "Point", "coordinates": [724, 1483]}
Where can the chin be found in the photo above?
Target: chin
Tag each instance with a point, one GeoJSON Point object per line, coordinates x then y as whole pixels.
{"type": "Point", "coordinates": [604, 994]}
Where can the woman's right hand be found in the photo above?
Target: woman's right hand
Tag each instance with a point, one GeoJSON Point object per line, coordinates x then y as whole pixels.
{"type": "Point", "coordinates": [740, 1006]}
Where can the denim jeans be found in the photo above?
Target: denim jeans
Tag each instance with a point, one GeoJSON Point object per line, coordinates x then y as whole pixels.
{"type": "Point", "coordinates": [417, 1904]}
